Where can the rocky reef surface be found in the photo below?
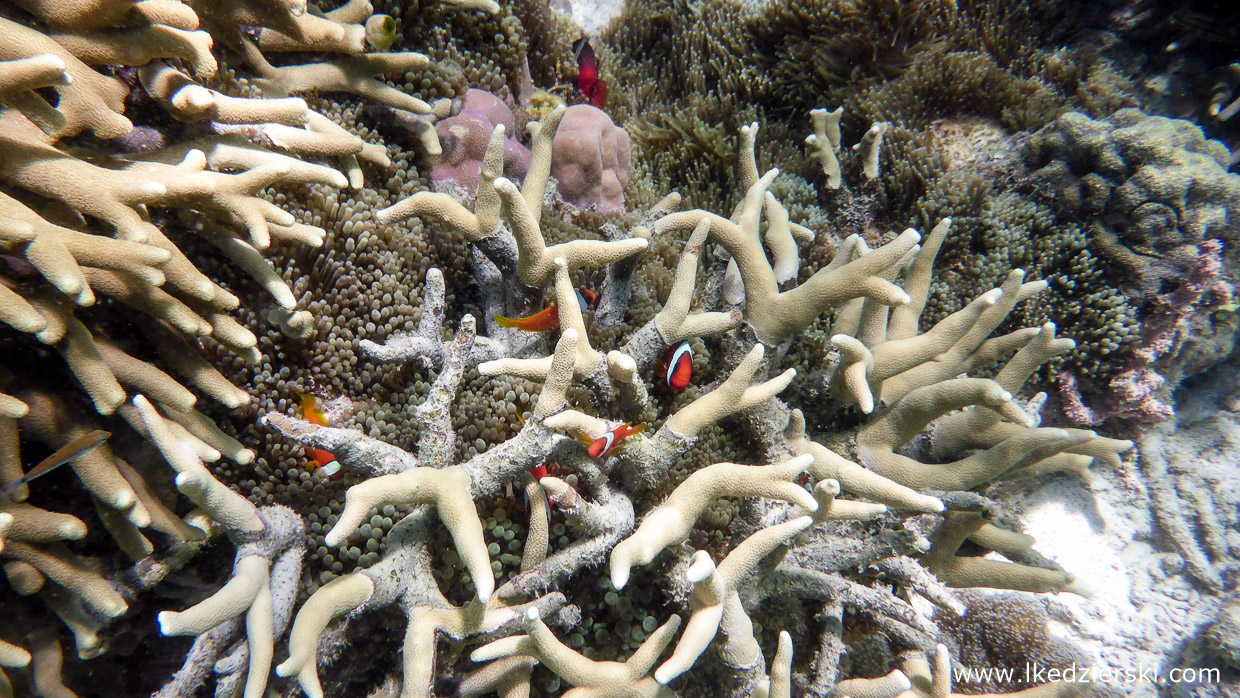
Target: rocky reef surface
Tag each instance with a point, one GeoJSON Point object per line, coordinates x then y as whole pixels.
{"type": "Point", "coordinates": [871, 349]}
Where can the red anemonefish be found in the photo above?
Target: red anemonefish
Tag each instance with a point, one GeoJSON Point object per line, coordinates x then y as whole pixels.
{"type": "Point", "coordinates": [677, 366]}
{"type": "Point", "coordinates": [604, 444]}
{"type": "Point", "coordinates": [588, 82]}
{"type": "Point", "coordinates": [539, 473]}
{"type": "Point", "coordinates": [548, 319]}
{"type": "Point", "coordinates": [318, 457]}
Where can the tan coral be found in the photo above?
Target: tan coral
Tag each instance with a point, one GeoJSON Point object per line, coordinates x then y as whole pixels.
{"type": "Point", "coordinates": [448, 490]}
{"type": "Point", "coordinates": [534, 262]}
{"type": "Point", "coordinates": [716, 605]}
{"type": "Point", "coordinates": [976, 428]}
{"type": "Point", "coordinates": [958, 571]}
{"type": "Point", "coordinates": [286, 24]}
{"type": "Point", "coordinates": [20, 78]}
{"type": "Point", "coordinates": [733, 395]}
{"type": "Point", "coordinates": [11, 657]}
{"type": "Point", "coordinates": [88, 100]}
{"type": "Point", "coordinates": [51, 421]}
{"type": "Point", "coordinates": [852, 477]}
{"type": "Point", "coordinates": [141, 45]}
{"type": "Point", "coordinates": [878, 442]}
{"type": "Point", "coordinates": [673, 321]}
{"type": "Point", "coordinates": [884, 356]}
{"type": "Point", "coordinates": [188, 101]}
{"type": "Point", "coordinates": [778, 684]}
{"type": "Point", "coordinates": [59, 253]}
{"type": "Point", "coordinates": [894, 685]}
{"type": "Point", "coordinates": [776, 314]}
{"type": "Point", "coordinates": [351, 74]}
{"type": "Point", "coordinates": [934, 680]}
{"type": "Point", "coordinates": [630, 679]}
{"type": "Point", "coordinates": [824, 143]}
{"type": "Point", "coordinates": [508, 677]}
{"type": "Point", "coordinates": [673, 520]}
{"type": "Point", "coordinates": [90, 15]}
{"type": "Point", "coordinates": [588, 362]}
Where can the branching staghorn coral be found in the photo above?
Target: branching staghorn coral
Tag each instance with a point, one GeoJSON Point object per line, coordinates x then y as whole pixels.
{"type": "Point", "coordinates": [589, 364]}
{"type": "Point", "coordinates": [592, 679]}
{"type": "Point", "coordinates": [520, 248]}
{"type": "Point", "coordinates": [828, 465]}
{"type": "Point", "coordinates": [673, 323]}
{"type": "Point", "coordinates": [860, 554]}
{"type": "Point", "coordinates": [37, 559]}
{"type": "Point", "coordinates": [143, 268]}
{"type": "Point", "coordinates": [716, 605]}
{"type": "Point", "coordinates": [287, 25]}
{"type": "Point", "coordinates": [87, 100]}
{"type": "Point", "coordinates": [142, 45]}
{"type": "Point", "coordinates": [343, 75]}
{"type": "Point", "coordinates": [19, 78]}
{"type": "Point", "coordinates": [189, 101]}
{"type": "Point", "coordinates": [884, 357]}
{"type": "Point", "coordinates": [960, 571]}
{"type": "Point", "coordinates": [401, 576]}
{"type": "Point", "coordinates": [672, 521]}
{"type": "Point", "coordinates": [933, 679]}
{"type": "Point", "coordinates": [775, 314]}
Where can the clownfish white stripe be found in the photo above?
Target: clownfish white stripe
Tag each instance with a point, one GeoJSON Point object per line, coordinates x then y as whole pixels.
{"type": "Point", "coordinates": [682, 350]}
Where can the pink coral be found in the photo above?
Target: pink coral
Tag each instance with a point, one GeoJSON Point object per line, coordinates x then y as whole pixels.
{"type": "Point", "coordinates": [1142, 393]}
{"type": "Point", "coordinates": [464, 140]}
{"type": "Point", "coordinates": [590, 159]}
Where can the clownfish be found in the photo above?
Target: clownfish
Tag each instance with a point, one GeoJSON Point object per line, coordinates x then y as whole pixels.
{"type": "Point", "coordinates": [318, 457]}
{"type": "Point", "coordinates": [677, 366]}
{"type": "Point", "coordinates": [548, 319]}
{"type": "Point", "coordinates": [539, 473]}
{"type": "Point", "coordinates": [588, 82]}
{"type": "Point", "coordinates": [607, 442]}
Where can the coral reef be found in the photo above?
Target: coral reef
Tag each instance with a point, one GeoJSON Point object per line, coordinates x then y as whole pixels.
{"type": "Point", "coordinates": [273, 248]}
{"type": "Point", "coordinates": [1175, 244]}
{"type": "Point", "coordinates": [591, 160]}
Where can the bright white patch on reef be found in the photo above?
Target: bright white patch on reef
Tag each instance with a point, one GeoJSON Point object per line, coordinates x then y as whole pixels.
{"type": "Point", "coordinates": [594, 15]}
{"type": "Point", "coordinates": [1144, 606]}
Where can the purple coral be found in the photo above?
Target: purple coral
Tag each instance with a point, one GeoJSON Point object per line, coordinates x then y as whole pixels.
{"type": "Point", "coordinates": [464, 139]}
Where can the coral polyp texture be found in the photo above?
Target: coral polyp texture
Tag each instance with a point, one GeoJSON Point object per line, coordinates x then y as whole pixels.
{"type": "Point", "coordinates": [418, 349]}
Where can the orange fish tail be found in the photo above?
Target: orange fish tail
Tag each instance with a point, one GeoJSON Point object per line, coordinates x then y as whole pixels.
{"type": "Point", "coordinates": [311, 412]}
{"type": "Point", "coordinates": [505, 321]}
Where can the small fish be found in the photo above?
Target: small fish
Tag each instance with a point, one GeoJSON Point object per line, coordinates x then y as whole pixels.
{"type": "Point", "coordinates": [677, 366]}
{"type": "Point", "coordinates": [318, 457]}
{"type": "Point", "coordinates": [588, 82]}
{"type": "Point", "coordinates": [548, 319]}
{"type": "Point", "coordinates": [380, 32]}
{"type": "Point", "coordinates": [63, 455]}
{"type": "Point", "coordinates": [607, 442]}
{"type": "Point", "coordinates": [539, 473]}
